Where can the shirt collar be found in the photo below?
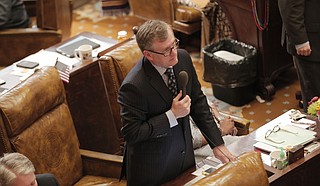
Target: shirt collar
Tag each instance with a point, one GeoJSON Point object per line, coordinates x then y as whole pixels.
{"type": "Point", "coordinates": [161, 70]}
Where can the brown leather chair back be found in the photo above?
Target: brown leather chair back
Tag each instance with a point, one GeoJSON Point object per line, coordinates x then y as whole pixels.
{"type": "Point", "coordinates": [247, 170]}
{"type": "Point", "coordinates": [182, 18]}
{"type": "Point", "coordinates": [35, 121]}
{"type": "Point", "coordinates": [54, 15]}
{"type": "Point", "coordinates": [115, 65]}
{"type": "Point", "coordinates": [145, 9]}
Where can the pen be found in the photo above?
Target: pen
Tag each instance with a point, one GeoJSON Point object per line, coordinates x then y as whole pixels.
{"type": "Point", "coordinates": [302, 123]}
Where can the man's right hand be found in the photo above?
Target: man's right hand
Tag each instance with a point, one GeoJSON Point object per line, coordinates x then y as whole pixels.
{"type": "Point", "coordinates": [304, 51]}
{"type": "Point", "coordinates": [223, 154]}
{"type": "Point", "coordinates": [181, 108]}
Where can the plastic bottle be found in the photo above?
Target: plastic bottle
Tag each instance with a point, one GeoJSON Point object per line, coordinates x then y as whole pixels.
{"type": "Point", "coordinates": [282, 162]}
{"type": "Point", "coordinates": [122, 35]}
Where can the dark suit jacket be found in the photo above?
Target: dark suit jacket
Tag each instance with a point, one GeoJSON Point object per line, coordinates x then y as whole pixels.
{"type": "Point", "coordinates": [156, 153]}
{"type": "Point", "coordinates": [46, 180]}
{"type": "Point", "coordinates": [301, 20]}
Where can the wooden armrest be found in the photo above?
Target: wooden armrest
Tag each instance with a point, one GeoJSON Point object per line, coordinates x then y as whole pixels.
{"type": "Point", "coordinates": [19, 31]}
{"type": "Point", "coordinates": [242, 124]}
{"type": "Point", "coordinates": [101, 164]}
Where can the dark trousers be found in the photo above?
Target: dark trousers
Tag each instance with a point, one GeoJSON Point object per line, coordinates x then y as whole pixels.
{"type": "Point", "coordinates": [309, 77]}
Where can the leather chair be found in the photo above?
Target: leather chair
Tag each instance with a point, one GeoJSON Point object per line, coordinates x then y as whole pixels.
{"type": "Point", "coordinates": [115, 65]}
{"type": "Point", "coordinates": [53, 24]}
{"type": "Point", "coordinates": [246, 170]}
{"type": "Point", "coordinates": [182, 18]}
{"type": "Point", "coordinates": [35, 120]}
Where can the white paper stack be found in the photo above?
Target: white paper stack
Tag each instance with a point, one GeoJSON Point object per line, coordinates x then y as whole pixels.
{"type": "Point", "coordinates": [229, 56]}
{"type": "Point", "coordinates": [288, 135]}
{"type": "Point", "coordinates": [291, 133]}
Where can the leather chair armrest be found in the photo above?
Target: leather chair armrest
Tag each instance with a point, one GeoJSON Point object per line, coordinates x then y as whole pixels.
{"type": "Point", "coordinates": [101, 164]}
{"type": "Point", "coordinates": [239, 172]}
{"type": "Point", "coordinates": [187, 14]}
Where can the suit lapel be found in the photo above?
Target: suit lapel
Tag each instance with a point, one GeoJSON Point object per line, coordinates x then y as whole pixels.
{"type": "Point", "coordinates": [156, 81]}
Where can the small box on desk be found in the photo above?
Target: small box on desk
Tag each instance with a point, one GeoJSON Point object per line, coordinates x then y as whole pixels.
{"type": "Point", "coordinates": [295, 153]}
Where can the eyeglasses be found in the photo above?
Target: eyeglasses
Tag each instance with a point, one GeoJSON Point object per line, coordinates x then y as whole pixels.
{"type": "Point", "coordinates": [275, 130]}
{"type": "Point", "coordinates": [169, 50]}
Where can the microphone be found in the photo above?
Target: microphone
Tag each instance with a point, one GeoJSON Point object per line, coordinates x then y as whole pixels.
{"type": "Point", "coordinates": [183, 81]}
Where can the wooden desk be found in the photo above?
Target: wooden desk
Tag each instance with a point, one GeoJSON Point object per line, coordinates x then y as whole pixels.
{"type": "Point", "coordinates": [305, 171]}
{"type": "Point", "coordinates": [12, 80]}
{"type": "Point", "coordinates": [87, 99]}
{"type": "Point", "coordinates": [89, 103]}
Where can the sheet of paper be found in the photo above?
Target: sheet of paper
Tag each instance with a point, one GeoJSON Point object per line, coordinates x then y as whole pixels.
{"type": "Point", "coordinates": [303, 123]}
{"type": "Point", "coordinates": [204, 170]}
{"type": "Point", "coordinates": [47, 58]}
{"type": "Point", "coordinates": [264, 147]}
{"type": "Point", "coordinates": [44, 58]}
{"type": "Point", "coordinates": [193, 181]}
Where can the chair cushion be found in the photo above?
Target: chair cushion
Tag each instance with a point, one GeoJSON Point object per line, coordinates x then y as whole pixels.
{"type": "Point", "coordinates": [194, 3]}
{"type": "Point", "coordinates": [187, 14]}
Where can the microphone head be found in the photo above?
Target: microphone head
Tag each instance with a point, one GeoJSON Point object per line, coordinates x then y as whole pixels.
{"type": "Point", "coordinates": [183, 78]}
{"type": "Point", "coordinates": [183, 81]}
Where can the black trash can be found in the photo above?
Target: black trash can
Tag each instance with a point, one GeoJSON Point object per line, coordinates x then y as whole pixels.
{"type": "Point", "coordinates": [231, 68]}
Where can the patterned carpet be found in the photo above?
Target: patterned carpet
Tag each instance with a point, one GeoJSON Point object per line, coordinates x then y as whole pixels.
{"type": "Point", "coordinates": [91, 18]}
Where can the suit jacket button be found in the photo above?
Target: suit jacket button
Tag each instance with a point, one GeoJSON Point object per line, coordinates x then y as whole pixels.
{"type": "Point", "coordinates": [183, 152]}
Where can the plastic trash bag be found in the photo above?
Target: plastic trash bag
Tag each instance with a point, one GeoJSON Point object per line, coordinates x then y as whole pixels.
{"type": "Point", "coordinates": [230, 63]}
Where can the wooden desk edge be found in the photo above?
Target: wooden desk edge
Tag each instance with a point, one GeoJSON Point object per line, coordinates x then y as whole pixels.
{"type": "Point", "coordinates": [276, 174]}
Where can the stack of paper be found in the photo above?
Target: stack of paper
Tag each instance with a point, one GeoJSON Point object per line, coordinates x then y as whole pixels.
{"type": "Point", "coordinates": [291, 133]}
{"type": "Point", "coordinates": [288, 135]}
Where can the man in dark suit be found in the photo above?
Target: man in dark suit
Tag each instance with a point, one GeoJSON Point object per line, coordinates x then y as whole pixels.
{"type": "Point", "coordinates": [301, 20]}
{"type": "Point", "coordinates": [17, 170]}
{"type": "Point", "coordinates": [13, 14]}
{"type": "Point", "coordinates": [155, 119]}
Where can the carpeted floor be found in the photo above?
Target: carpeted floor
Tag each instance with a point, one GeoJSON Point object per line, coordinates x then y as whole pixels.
{"type": "Point", "coordinates": [90, 17]}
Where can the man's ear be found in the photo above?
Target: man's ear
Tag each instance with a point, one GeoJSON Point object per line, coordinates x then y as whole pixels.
{"type": "Point", "coordinates": [147, 55]}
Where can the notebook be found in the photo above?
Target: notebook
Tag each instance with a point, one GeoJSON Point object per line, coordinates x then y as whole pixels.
{"type": "Point", "coordinates": [68, 48]}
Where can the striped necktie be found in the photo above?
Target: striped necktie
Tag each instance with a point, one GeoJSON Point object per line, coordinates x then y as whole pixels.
{"type": "Point", "coordinates": [172, 83]}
